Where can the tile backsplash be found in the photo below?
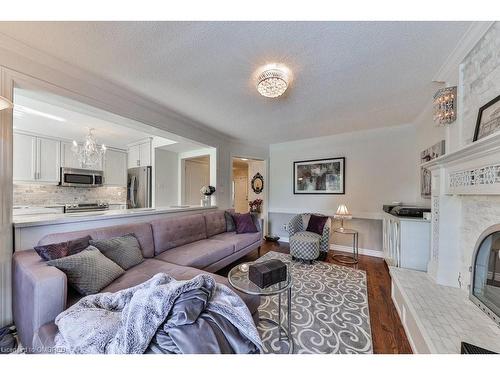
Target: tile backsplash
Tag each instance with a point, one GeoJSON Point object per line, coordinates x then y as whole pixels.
{"type": "Point", "coordinates": [45, 195]}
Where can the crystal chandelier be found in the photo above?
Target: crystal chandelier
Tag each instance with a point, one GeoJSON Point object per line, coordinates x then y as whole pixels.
{"type": "Point", "coordinates": [89, 154]}
{"type": "Point", "coordinates": [445, 105]}
{"type": "Point", "coordinates": [272, 83]}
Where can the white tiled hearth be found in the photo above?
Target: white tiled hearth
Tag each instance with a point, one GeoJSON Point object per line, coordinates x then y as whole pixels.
{"type": "Point", "coordinates": [437, 318]}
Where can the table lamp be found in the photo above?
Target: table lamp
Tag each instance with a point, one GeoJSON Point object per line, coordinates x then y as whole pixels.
{"type": "Point", "coordinates": [342, 214]}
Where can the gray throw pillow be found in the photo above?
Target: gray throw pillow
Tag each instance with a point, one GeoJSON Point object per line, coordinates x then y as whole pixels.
{"type": "Point", "coordinates": [124, 251]}
{"type": "Point", "coordinates": [89, 271]}
{"type": "Point", "coordinates": [256, 221]}
{"type": "Point", "coordinates": [230, 225]}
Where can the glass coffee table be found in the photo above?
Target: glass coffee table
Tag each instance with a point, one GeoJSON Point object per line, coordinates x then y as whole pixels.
{"type": "Point", "coordinates": [238, 278]}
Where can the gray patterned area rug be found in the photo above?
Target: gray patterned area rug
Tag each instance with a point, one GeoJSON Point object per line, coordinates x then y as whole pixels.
{"type": "Point", "coordinates": [329, 310]}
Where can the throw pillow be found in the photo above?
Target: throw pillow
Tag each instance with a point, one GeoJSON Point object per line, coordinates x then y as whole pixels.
{"type": "Point", "coordinates": [124, 251]}
{"type": "Point", "coordinates": [244, 223]}
{"type": "Point", "coordinates": [89, 271]}
{"type": "Point", "coordinates": [256, 221]}
{"type": "Point", "coordinates": [230, 226]}
{"type": "Point", "coordinates": [316, 224]}
{"type": "Point", "coordinates": [62, 249]}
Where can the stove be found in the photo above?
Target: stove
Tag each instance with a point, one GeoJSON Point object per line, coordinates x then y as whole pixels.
{"type": "Point", "coordinates": [86, 207]}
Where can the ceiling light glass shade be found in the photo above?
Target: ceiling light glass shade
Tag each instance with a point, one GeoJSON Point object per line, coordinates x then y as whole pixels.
{"type": "Point", "coordinates": [89, 153]}
{"type": "Point", "coordinates": [272, 83]}
{"type": "Point", "coordinates": [5, 103]}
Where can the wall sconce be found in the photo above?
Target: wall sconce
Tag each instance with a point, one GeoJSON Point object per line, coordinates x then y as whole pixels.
{"type": "Point", "coordinates": [445, 105]}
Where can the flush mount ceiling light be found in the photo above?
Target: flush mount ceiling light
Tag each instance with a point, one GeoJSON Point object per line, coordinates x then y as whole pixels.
{"type": "Point", "coordinates": [272, 81]}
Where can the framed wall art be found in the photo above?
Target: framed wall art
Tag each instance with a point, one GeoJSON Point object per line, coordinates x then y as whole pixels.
{"type": "Point", "coordinates": [488, 119]}
{"type": "Point", "coordinates": [321, 176]}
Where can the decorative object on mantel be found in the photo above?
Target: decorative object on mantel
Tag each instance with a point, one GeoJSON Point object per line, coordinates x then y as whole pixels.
{"type": "Point", "coordinates": [255, 205]}
{"type": "Point", "coordinates": [5, 103]}
{"type": "Point", "coordinates": [89, 154]}
{"type": "Point", "coordinates": [429, 154]}
{"type": "Point", "coordinates": [488, 119]}
{"type": "Point", "coordinates": [207, 191]}
{"type": "Point", "coordinates": [320, 176]}
{"type": "Point", "coordinates": [257, 183]}
{"type": "Point", "coordinates": [445, 105]}
{"type": "Point", "coordinates": [342, 214]}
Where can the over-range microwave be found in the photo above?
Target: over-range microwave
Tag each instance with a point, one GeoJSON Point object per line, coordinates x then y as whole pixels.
{"type": "Point", "coordinates": [75, 177]}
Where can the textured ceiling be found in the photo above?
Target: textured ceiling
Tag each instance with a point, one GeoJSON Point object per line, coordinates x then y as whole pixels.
{"type": "Point", "coordinates": [347, 75]}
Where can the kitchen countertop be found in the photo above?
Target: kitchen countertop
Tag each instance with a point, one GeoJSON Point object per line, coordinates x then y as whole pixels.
{"type": "Point", "coordinates": [21, 221]}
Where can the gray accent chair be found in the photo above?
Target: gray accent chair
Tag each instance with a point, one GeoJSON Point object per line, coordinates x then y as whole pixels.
{"type": "Point", "coordinates": [306, 245]}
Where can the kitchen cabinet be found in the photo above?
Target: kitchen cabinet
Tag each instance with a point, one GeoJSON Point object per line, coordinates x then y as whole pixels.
{"type": "Point", "coordinates": [70, 160]}
{"type": "Point", "coordinates": [115, 168]}
{"type": "Point", "coordinates": [139, 154]}
{"type": "Point", "coordinates": [24, 168]}
{"type": "Point", "coordinates": [36, 159]}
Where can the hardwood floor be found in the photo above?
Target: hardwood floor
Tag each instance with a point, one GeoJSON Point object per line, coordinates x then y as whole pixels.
{"type": "Point", "coordinates": [388, 334]}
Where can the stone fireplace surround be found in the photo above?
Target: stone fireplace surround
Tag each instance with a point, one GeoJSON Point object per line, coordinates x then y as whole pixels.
{"type": "Point", "coordinates": [434, 307]}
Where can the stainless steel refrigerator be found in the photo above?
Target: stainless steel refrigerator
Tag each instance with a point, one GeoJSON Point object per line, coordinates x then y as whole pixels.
{"type": "Point", "coordinates": [139, 187]}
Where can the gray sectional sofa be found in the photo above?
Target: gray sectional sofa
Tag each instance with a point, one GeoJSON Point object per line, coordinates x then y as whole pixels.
{"type": "Point", "coordinates": [182, 247]}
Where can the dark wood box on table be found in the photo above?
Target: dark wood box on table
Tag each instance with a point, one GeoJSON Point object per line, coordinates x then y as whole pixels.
{"type": "Point", "coordinates": [265, 274]}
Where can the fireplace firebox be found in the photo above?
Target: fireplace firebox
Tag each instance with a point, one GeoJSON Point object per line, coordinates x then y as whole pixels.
{"type": "Point", "coordinates": [485, 281]}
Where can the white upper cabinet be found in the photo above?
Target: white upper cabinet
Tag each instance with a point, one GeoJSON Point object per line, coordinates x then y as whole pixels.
{"type": "Point", "coordinates": [24, 157]}
{"type": "Point", "coordinates": [48, 160]}
{"type": "Point", "coordinates": [139, 154]}
{"type": "Point", "coordinates": [68, 157]}
{"type": "Point", "coordinates": [115, 168]}
{"type": "Point", "coordinates": [36, 159]}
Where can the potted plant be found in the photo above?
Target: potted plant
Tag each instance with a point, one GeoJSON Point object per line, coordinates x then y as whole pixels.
{"type": "Point", "coordinates": [255, 205]}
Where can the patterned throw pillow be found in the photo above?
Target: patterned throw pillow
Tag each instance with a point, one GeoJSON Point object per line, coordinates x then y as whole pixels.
{"type": "Point", "coordinates": [244, 223]}
{"type": "Point", "coordinates": [230, 226]}
{"type": "Point", "coordinates": [124, 251]}
{"type": "Point", "coordinates": [316, 224]}
{"type": "Point", "coordinates": [89, 271]}
{"type": "Point", "coordinates": [62, 249]}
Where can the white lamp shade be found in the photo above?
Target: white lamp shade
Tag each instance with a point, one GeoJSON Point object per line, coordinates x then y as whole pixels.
{"type": "Point", "coordinates": [5, 103]}
{"type": "Point", "coordinates": [342, 210]}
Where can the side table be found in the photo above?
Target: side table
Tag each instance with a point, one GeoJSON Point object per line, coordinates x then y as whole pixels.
{"type": "Point", "coordinates": [348, 259]}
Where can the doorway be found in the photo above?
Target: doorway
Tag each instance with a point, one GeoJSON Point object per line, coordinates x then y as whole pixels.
{"type": "Point", "coordinates": [196, 175]}
{"type": "Point", "coordinates": [243, 194]}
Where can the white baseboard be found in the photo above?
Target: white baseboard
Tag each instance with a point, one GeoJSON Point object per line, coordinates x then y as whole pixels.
{"type": "Point", "coordinates": [348, 249]}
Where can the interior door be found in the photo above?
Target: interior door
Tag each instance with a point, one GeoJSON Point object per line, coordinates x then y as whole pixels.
{"type": "Point", "coordinates": [196, 175]}
{"type": "Point", "coordinates": [241, 195]}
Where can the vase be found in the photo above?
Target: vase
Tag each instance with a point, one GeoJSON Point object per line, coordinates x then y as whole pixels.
{"type": "Point", "coordinates": [206, 201]}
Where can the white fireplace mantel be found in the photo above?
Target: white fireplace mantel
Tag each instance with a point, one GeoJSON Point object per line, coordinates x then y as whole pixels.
{"type": "Point", "coordinates": [465, 190]}
{"type": "Point", "coordinates": [472, 170]}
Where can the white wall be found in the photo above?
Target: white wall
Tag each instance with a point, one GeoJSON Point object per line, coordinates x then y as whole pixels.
{"type": "Point", "coordinates": [166, 175]}
{"type": "Point", "coordinates": [379, 168]}
{"type": "Point", "coordinates": [219, 198]}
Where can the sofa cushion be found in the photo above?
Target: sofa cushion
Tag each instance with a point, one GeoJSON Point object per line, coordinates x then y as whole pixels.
{"type": "Point", "coordinates": [230, 225]}
{"type": "Point", "coordinates": [142, 232]}
{"type": "Point", "coordinates": [177, 231]}
{"type": "Point", "coordinates": [151, 267]}
{"type": "Point", "coordinates": [62, 249]}
{"type": "Point", "coordinates": [88, 271]}
{"type": "Point", "coordinates": [199, 254]}
{"type": "Point", "coordinates": [244, 223]}
{"type": "Point", "coordinates": [124, 250]}
{"type": "Point", "coordinates": [215, 222]}
{"type": "Point", "coordinates": [239, 241]}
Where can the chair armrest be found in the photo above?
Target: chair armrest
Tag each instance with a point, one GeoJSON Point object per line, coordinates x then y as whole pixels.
{"type": "Point", "coordinates": [39, 294]}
